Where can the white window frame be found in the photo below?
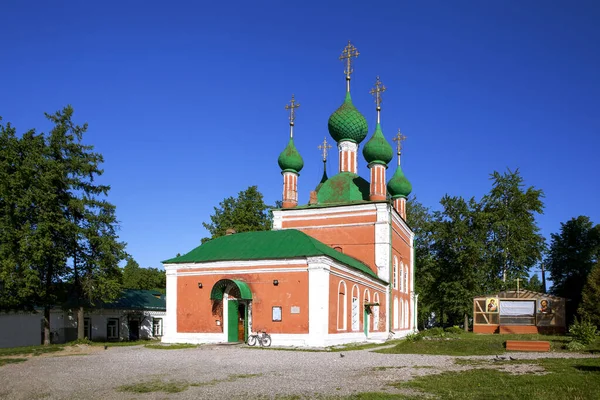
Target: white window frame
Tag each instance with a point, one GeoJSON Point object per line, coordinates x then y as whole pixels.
{"type": "Point", "coordinates": [406, 279]}
{"type": "Point", "coordinates": [157, 322]}
{"type": "Point", "coordinates": [355, 309]}
{"type": "Point", "coordinates": [395, 277]}
{"type": "Point", "coordinates": [112, 332]}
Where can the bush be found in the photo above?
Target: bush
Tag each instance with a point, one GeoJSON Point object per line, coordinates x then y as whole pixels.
{"type": "Point", "coordinates": [583, 332]}
{"type": "Point", "coordinates": [574, 345]}
{"type": "Point", "coordinates": [455, 330]}
{"type": "Point", "coordinates": [413, 337]}
{"type": "Point", "coordinates": [433, 332]}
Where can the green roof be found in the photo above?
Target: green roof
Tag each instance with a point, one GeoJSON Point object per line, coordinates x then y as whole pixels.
{"type": "Point", "coordinates": [345, 187]}
{"type": "Point", "coordinates": [347, 123]}
{"type": "Point", "coordinates": [135, 299]}
{"type": "Point", "coordinates": [287, 243]}
{"type": "Point", "coordinates": [377, 149]}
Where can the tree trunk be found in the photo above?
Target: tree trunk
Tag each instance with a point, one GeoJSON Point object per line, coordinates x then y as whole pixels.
{"type": "Point", "coordinates": [80, 323]}
{"type": "Point", "coordinates": [46, 325]}
{"type": "Point", "coordinates": [466, 322]}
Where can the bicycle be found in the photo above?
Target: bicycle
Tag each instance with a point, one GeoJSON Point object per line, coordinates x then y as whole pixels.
{"type": "Point", "coordinates": [263, 338]}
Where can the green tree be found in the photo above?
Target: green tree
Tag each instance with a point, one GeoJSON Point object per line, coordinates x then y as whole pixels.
{"type": "Point", "coordinates": [534, 284]}
{"type": "Point", "coordinates": [573, 252]}
{"type": "Point", "coordinates": [58, 225]}
{"type": "Point", "coordinates": [458, 248]}
{"type": "Point", "coordinates": [135, 277]}
{"type": "Point", "coordinates": [244, 213]}
{"type": "Point", "coordinates": [420, 219]}
{"type": "Point", "coordinates": [514, 243]}
{"type": "Point", "coordinates": [589, 308]}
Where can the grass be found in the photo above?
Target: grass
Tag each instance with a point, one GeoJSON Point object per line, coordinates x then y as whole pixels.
{"type": "Point", "coordinates": [155, 385]}
{"type": "Point", "coordinates": [566, 379]}
{"type": "Point", "coordinates": [470, 344]}
{"type": "Point", "coordinates": [30, 350]}
{"type": "Point", "coordinates": [124, 343]}
{"type": "Point", "coordinates": [171, 346]}
{"type": "Point", "coordinates": [174, 386]}
{"type": "Point", "coordinates": [4, 361]}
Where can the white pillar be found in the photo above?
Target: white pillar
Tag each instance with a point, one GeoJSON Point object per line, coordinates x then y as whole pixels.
{"type": "Point", "coordinates": [170, 328]}
{"type": "Point", "coordinates": [318, 304]}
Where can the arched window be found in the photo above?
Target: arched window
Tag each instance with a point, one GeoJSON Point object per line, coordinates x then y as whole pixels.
{"type": "Point", "coordinates": [355, 308]}
{"type": "Point", "coordinates": [342, 310]}
{"type": "Point", "coordinates": [401, 278]}
{"type": "Point", "coordinates": [367, 316]}
{"type": "Point", "coordinates": [395, 275]}
{"type": "Point", "coordinates": [376, 312]}
{"type": "Point", "coordinates": [406, 279]}
{"type": "Point", "coordinates": [395, 313]}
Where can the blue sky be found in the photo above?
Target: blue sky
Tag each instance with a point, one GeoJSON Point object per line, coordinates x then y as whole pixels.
{"type": "Point", "coordinates": [185, 100]}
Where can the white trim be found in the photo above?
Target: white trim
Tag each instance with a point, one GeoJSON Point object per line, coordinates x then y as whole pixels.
{"type": "Point", "coordinates": [237, 263]}
{"type": "Point", "coordinates": [366, 213]}
{"type": "Point", "coordinates": [241, 271]}
{"type": "Point", "coordinates": [170, 322]}
{"type": "Point", "coordinates": [312, 226]}
{"type": "Point", "coordinates": [352, 273]}
{"type": "Point", "coordinates": [402, 224]}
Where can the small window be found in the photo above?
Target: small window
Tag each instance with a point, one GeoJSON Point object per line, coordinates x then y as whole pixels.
{"type": "Point", "coordinates": [112, 328]}
{"type": "Point", "coordinates": [338, 248]}
{"type": "Point", "coordinates": [157, 327]}
{"type": "Point", "coordinates": [277, 314]}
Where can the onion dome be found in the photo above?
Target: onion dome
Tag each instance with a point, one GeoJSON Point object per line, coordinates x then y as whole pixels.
{"type": "Point", "coordinates": [290, 159]}
{"type": "Point", "coordinates": [399, 186]}
{"type": "Point", "coordinates": [378, 150]}
{"type": "Point", "coordinates": [347, 123]}
{"type": "Point", "coordinates": [345, 187]}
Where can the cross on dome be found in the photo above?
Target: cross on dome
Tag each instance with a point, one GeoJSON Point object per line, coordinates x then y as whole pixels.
{"type": "Point", "coordinates": [324, 147]}
{"type": "Point", "coordinates": [376, 92]}
{"type": "Point", "coordinates": [349, 52]}
{"type": "Point", "coordinates": [399, 138]}
{"type": "Point", "coordinates": [292, 108]}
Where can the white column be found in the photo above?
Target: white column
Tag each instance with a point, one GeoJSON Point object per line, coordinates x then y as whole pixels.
{"type": "Point", "coordinates": [170, 327]}
{"type": "Point", "coordinates": [318, 304]}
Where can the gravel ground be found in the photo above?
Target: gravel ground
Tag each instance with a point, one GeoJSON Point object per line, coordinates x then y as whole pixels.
{"type": "Point", "coordinates": [216, 369]}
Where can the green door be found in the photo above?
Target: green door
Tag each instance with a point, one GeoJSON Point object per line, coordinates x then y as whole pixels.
{"type": "Point", "coordinates": [366, 322]}
{"type": "Point", "coordinates": [232, 321]}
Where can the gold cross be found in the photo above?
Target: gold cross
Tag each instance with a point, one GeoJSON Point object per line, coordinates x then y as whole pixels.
{"type": "Point", "coordinates": [349, 52]}
{"type": "Point", "coordinates": [399, 138]}
{"type": "Point", "coordinates": [292, 107]}
{"type": "Point", "coordinates": [324, 148]}
{"type": "Point", "coordinates": [377, 91]}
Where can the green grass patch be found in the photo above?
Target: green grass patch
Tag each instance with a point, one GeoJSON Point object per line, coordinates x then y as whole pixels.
{"type": "Point", "coordinates": [566, 379]}
{"type": "Point", "coordinates": [171, 346]}
{"type": "Point", "coordinates": [175, 386]}
{"type": "Point", "coordinates": [124, 343]}
{"type": "Point", "coordinates": [30, 350]}
{"type": "Point", "coordinates": [358, 346]}
{"type": "Point", "coordinates": [468, 344]}
{"type": "Point", "coordinates": [4, 361]}
{"type": "Point", "coordinates": [155, 385]}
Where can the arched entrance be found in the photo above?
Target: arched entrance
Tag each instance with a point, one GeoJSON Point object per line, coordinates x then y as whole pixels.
{"type": "Point", "coordinates": [237, 299]}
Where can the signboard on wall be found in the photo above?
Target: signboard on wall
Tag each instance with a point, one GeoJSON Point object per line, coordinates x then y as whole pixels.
{"type": "Point", "coordinates": [517, 308]}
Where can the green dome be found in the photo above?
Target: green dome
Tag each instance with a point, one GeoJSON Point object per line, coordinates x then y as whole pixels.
{"type": "Point", "coordinates": [378, 149]}
{"type": "Point", "coordinates": [346, 123]}
{"type": "Point", "coordinates": [399, 186]}
{"type": "Point", "coordinates": [345, 187]}
{"type": "Point", "coordinates": [290, 159]}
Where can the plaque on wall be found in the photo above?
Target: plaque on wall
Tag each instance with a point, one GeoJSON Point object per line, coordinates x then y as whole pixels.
{"type": "Point", "coordinates": [295, 310]}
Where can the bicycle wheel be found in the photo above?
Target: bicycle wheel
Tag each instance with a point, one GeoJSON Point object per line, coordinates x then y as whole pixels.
{"type": "Point", "coordinates": [266, 340]}
{"type": "Point", "coordinates": [252, 340]}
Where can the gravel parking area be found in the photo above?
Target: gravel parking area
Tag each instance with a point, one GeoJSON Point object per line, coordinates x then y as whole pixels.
{"type": "Point", "coordinates": [220, 372]}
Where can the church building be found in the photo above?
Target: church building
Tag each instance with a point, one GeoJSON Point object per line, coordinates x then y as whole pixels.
{"type": "Point", "coordinates": [339, 269]}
